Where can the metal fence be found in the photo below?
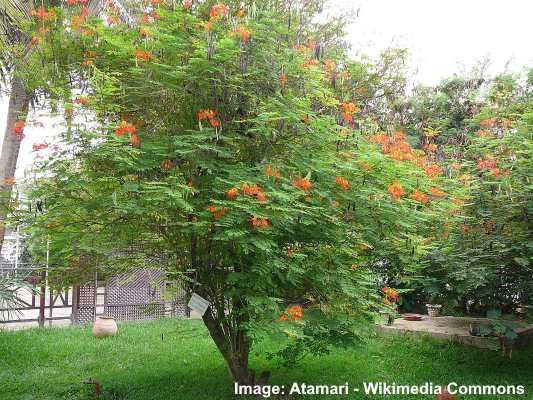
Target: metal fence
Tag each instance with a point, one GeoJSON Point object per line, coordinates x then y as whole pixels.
{"type": "Point", "coordinates": [137, 294]}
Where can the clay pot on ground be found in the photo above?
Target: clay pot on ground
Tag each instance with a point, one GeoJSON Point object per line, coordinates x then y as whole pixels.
{"type": "Point", "coordinates": [105, 326]}
{"type": "Point", "coordinates": [434, 309]}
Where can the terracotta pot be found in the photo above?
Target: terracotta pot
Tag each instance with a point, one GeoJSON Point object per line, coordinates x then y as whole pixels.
{"type": "Point", "coordinates": [105, 326]}
{"type": "Point", "coordinates": [433, 309]}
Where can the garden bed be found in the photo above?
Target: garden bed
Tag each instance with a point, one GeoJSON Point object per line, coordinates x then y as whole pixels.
{"type": "Point", "coordinates": [455, 329]}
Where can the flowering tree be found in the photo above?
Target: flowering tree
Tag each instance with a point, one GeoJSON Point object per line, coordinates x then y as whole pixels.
{"type": "Point", "coordinates": [224, 142]}
{"type": "Point", "coordinates": [481, 130]}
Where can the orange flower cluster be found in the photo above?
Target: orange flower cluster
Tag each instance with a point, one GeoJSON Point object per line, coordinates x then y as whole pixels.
{"type": "Point", "coordinates": [18, 129]}
{"type": "Point", "coordinates": [330, 66]}
{"type": "Point", "coordinates": [433, 170]}
{"type": "Point", "coordinates": [240, 13]}
{"type": "Point", "coordinates": [398, 148]}
{"type": "Point", "coordinates": [396, 190]}
{"type": "Point", "coordinates": [294, 313]}
{"type": "Point", "coordinates": [302, 184]}
{"type": "Point", "coordinates": [283, 79]}
{"type": "Point", "coordinates": [310, 62]}
{"type": "Point", "coordinates": [218, 11]}
{"type": "Point", "coordinates": [270, 172]}
{"type": "Point", "coordinates": [81, 100]}
{"type": "Point", "coordinates": [244, 33]}
{"type": "Point", "coordinates": [488, 123]}
{"type": "Point", "coordinates": [143, 55]}
{"type": "Point", "coordinates": [125, 127]}
{"type": "Point", "coordinates": [391, 296]}
{"type": "Point", "coordinates": [187, 4]}
{"type": "Point", "coordinates": [254, 191]}
{"type": "Point", "coordinates": [209, 115]}
{"type": "Point", "coordinates": [42, 14]}
{"type": "Point", "coordinates": [348, 109]}
{"type": "Point", "coordinates": [339, 180]}
{"type": "Point", "coordinates": [436, 192]}
{"type": "Point", "coordinates": [420, 197]}
{"type": "Point", "coordinates": [217, 212]}
{"type": "Point", "coordinates": [259, 222]}
{"type": "Point", "coordinates": [167, 164]}
{"type": "Point", "coordinates": [147, 19]}
{"type": "Point", "coordinates": [487, 163]}
{"type": "Point", "coordinates": [232, 193]}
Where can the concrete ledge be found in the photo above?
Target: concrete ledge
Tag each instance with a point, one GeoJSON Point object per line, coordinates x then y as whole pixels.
{"type": "Point", "coordinates": [454, 329]}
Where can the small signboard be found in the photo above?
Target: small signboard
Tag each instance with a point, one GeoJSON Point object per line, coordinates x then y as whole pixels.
{"type": "Point", "coordinates": [198, 303]}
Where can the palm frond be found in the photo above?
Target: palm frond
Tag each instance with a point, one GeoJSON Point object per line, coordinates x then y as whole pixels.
{"type": "Point", "coordinates": [9, 302]}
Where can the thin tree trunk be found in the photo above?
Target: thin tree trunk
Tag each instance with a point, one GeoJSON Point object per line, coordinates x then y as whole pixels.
{"type": "Point", "coordinates": [19, 101]}
{"type": "Point", "coordinates": [236, 354]}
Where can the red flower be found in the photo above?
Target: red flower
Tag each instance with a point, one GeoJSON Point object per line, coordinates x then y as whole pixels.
{"type": "Point", "coordinates": [187, 4]}
{"type": "Point", "coordinates": [82, 100]}
{"type": "Point", "coordinates": [217, 212]}
{"type": "Point", "coordinates": [342, 182]}
{"type": "Point", "coordinates": [294, 313]}
{"type": "Point", "coordinates": [143, 55]}
{"type": "Point", "coordinates": [436, 192]}
{"type": "Point", "coordinates": [244, 33]}
{"type": "Point", "coordinates": [218, 11]}
{"type": "Point", "coordinates": [259, 222]}
{"type": "Point", "coordinates": [18, 127]}
{"type": "Point", "coordinates": [209, 115]}
{"type": "Point", "coordinates": [350, 108]}
{"type": "Point", "coordinates": [254, 191]}
{"type": "Point", "coordinates": [302, 184]}
{"type": "Point", "coordinates": [233, 193]}
{"type": "Point", "coordinates": [396, 190]}
{"type": "Point", "coordinates": [391, 296]}
{"type": "Point", "coordinates": [419, 196]}
{"type": "Point", "coordinates": [488, 123]}
{"type": "Point", "coordinates": [41, 13]}
{"type": "Point", "coordinates": [433, 170]}
{"type": "Point", "coordinates": [125, 127]}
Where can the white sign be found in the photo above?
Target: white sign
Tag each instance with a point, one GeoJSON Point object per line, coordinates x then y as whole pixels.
{"type": "Point", "coordinates": [198, 303]}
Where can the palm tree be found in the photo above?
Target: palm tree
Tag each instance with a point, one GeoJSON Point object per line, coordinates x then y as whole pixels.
{"type": "Point", "coordinates": [13, 15]}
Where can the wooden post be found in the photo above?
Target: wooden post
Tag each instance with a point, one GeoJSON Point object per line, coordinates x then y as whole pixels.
{"type": "Point", "coordinates": [75, 303]}
{"type": "Point", "coordinates": [42, 299]}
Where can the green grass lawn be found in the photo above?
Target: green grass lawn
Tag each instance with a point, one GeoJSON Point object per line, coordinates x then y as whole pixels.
{"type": "Point", "coordinates": [173, 359]}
